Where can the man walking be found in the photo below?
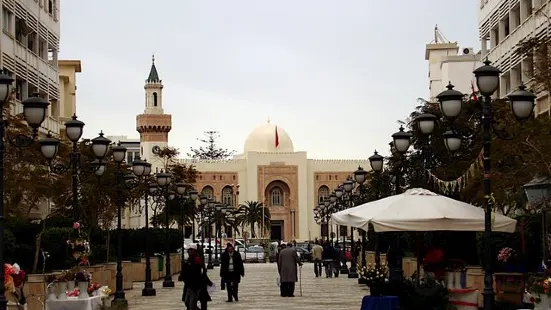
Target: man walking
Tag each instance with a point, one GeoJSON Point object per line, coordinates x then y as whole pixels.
{"type": "Point", "coordinates": [317, 257]}
{"type": "Point", "coordinates": [288, 261]}
{"type": "Point", "coordinates": [231, 271]}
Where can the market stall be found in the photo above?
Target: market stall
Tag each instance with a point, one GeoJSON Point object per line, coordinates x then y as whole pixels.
{"type": "Point", "coordinates": [420, 210]}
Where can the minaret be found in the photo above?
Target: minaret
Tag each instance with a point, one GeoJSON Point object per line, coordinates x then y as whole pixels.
{"type": "Point", "coordinates": [153, 125]}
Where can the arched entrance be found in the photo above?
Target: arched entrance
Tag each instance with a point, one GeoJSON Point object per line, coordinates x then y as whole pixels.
{"type": "Point", "coordinates": [277, 197]}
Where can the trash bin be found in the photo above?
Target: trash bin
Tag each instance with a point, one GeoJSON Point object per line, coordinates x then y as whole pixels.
{"type": "Point", "coordinates": [160, 262]}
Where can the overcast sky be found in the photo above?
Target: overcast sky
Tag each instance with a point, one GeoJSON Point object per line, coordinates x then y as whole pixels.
{"type": "Point", "coordinates": [335, 74]}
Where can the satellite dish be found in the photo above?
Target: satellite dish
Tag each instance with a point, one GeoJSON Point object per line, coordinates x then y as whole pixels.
{"type": "Point", "coordinates": [466, 51]}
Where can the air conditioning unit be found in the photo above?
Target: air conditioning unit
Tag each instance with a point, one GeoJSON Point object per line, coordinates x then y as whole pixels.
{"type": "Point", "coordinates": [468, 51]}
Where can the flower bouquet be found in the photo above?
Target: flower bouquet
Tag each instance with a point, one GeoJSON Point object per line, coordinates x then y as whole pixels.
{"type": "Point", "coordinates": [82, 279]}
{"type": "Point", "coordinates": [14, 278]}
{"type": "Point", "coordinates": [375, 277]}
{"type": "Point", "coordinates": [79, 246]}
{"type": "Point", "coordinates": [93, 289]}
{"type": "Point", "coordinates": [540, 291]}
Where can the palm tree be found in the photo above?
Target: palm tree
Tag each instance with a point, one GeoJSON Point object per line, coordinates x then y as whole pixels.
{"type": "Point", "coordinates": [253, 213]}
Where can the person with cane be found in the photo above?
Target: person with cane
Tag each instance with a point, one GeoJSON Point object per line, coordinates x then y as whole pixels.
{"type": "Point", "coordinates": [288, 262]}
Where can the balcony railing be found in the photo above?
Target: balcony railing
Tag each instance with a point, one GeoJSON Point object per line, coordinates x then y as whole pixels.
{"type": "Point", "coordinates": [506, 47]}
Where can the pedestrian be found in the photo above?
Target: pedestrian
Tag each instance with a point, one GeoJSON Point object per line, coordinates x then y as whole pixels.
{"type": "Point", "coordinates": [196, 281]}
{"type": "Point", "coordinates": [231, 271]}
{"type": "Point", "coordinates": [317, 257]}
{"type": "Point", "coordinates": [288, 268]}
{"type": "Point", "coordinates": [330, 258]}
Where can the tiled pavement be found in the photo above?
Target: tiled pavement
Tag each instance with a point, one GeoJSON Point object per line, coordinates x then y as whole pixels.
{"type": "Point", "coordinates": [259, 291]}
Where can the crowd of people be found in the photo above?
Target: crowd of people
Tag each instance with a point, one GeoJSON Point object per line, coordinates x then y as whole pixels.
{"type": "Point", "coordinates": [197, 283]}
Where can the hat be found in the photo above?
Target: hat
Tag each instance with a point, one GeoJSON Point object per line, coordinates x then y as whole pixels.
{"type": "Point", "coordinates": [192, 247]}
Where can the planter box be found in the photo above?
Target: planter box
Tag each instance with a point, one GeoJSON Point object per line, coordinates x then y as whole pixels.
{"type": "Point", "coordinates": [109, 273]}
{"type": "Point", "coordinates": [510, 286]}
{"type": "Point", "coordinates": [127, 277]}
{"type": "Point", "coordinates": [138, 271]}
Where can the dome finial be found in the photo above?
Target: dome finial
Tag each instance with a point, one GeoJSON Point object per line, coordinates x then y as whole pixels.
{"type": "Point", "coordinates": [153, 58]}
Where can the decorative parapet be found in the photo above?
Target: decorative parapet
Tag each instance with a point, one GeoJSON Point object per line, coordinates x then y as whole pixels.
{"type": "Point", "coordinates": [194, 161]}
{"type": "Point", "coordinates": [153, 123]}
{"type": "Point", "coordinates": [340, 161]}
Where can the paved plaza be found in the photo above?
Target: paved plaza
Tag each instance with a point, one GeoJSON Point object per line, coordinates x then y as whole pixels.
{"type": "Point", "coordinates": [259, 291]}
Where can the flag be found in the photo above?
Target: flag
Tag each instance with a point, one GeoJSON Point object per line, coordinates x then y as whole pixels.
{"type": "Point", "coordinates": [276, 138]}
{"type": "Point", "coordinates": [473, 94]}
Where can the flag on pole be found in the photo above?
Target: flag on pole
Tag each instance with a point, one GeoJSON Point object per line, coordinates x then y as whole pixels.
{"type": "Point", "coordinates": [276, 138]}
{"type": "Point", "coordinates": [473, 94]}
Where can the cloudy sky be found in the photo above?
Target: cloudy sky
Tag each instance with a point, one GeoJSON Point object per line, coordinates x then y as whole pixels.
{"type": "Point", "coordinates": [335, 74]}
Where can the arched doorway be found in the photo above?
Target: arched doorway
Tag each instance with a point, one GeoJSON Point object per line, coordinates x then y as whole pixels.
{"type": "Point", "coordinates": [277, 197]}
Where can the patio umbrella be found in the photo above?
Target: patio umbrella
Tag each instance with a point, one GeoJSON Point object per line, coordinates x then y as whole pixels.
{"type": "Point", "coordinates": [420, 210]}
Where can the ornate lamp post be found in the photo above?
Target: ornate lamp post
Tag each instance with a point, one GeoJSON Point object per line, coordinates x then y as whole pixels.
{"type": "Point", "coordinates": [49, 148]}
{"type": "Point", "coordinates": [522, 106]}
{"type": "Point", "coordinates": [376, 162]}
{"type": "Point", "coordinates": [142, 169]}
{"type": "Point", "coordinates": [123, 180]}
{"type": "Point", "coordinates": [209, 211]}
{"type": "Point", "coordinates": [163, 181]}
{"type": "Point", "coordinates": [360, 176]}
{"type": "Point", "coordinates": [399, 146]}
{"type": "Point", "coordinates": [203, 200]}
{"type": "Point", "coordinates": [218, 211]}
{"type": "Point", "coordinates": [34, 110]}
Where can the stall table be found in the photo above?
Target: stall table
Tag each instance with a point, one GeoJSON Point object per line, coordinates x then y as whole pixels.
{"type": "Point", "coordinates": [464, 299]}
{"type": "Point", "coordinates": [380, 303]}
{"type": "Point", "coordinates": [72, 303]}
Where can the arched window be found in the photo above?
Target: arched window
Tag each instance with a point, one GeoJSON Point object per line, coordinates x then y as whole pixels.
{"type": "Point", "coordinates": [208, 191]}
{"type": "Point", "coordinates": [227, 196]}
{"type": "Point", "coordinates": [323, 192]}
{"type": "Point", "coordinates": [276, 197]}
{"type": "Point", "coordinates": [155, 99]}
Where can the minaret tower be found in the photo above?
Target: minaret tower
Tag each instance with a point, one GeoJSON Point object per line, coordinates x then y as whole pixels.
{"type": "Point", "coordinates": [153, 125]}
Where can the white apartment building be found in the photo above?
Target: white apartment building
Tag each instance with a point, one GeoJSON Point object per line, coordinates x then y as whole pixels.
{"type": "Point", "coordinates": [29, 50]}
{"type": "Point", "coordinates": [502, 25]}
{"type": "Point", "coordinates": [448, 64]}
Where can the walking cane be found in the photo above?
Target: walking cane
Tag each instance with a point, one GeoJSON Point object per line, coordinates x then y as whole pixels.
{"type": "Point", "coordinates": [300, 280]}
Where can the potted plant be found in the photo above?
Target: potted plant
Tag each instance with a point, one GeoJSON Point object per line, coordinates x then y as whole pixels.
{"type": "Point", "coordinates": [424, 293]}
{"type": "Point", "coordinates": [455, 269]}
{"type": "Point", "coordinates": [376, 278]}
{"type": "Point", "coordinates": [540, 289]}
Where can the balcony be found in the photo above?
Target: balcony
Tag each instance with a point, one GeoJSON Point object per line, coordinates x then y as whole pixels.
{"type": "Point", "coordinates": [506, 47]}
{"type": "Point", "coordinates": [50, 124]}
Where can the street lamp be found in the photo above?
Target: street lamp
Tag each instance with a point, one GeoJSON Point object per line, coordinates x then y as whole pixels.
{"type": "Point", "coordinates": [142, 169]}
{"type": "Point", "coordinates": [189, 199]}
{"type": "Point", "coordinates": [399, 146]}
{"type": "Point", "coordinates": [522, 104]}
{"type": "Point", "coordinates": [34, 111]}
{"type": "Point", "coordinates": [218, 209]}
{"type": "Point", "coordinates": [49, 147]}
{"type": "Point", "coordinates": [538, 192]}
{"type": "Point", "coordinates": [163, 180]}
{"type": "Point", "coordinates": [209, 210]}
{"type": "Point", "coordinates": [123, 180]}
{"type": "Point", "coordinates": [360, 176]}
{"type": "Point", "coordinates": [376, 162]}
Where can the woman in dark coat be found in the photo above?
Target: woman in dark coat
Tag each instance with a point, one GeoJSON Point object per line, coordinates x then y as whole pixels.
{"type": "Point", "coordinates": [196, 281]}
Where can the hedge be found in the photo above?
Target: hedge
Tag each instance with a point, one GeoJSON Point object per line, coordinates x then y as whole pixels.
{"type": "Point", "coordinates": [20, 243]}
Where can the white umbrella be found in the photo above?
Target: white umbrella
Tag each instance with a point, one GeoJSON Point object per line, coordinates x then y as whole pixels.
{"type": "Point", "coordinates": [421, 210]}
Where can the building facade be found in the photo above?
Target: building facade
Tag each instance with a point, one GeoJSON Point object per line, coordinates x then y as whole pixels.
{"type": "Point", "coordinates": [29, 50]}
{"type": "Point", "coordinates": [503, 24]}
{"type": "Point", "coordinates": [448, 64]}
{"type": "Point", "coordinates": [269, 170]}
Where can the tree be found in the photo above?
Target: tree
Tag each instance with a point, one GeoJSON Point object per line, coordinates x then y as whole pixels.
{"type": "Point", "coordinates": [27, 182]}
{"type": "Point", "coordinates": [211, 150]}
{"type": "Point", "coordinates": [253, 213]}
{"type": "Point", "coordinates": [177, 208]}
